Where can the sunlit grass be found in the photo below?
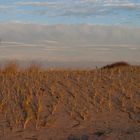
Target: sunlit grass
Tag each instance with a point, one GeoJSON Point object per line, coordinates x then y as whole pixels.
{"type": "Point", "coordinates": [30, 96]}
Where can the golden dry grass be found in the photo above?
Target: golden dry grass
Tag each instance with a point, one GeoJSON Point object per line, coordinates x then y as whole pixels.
{"type": "Point", "coordinates": [37, 98]}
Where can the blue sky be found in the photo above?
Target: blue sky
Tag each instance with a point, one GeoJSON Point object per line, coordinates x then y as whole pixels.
{"type": "Point", "coordinates": [103, 12]}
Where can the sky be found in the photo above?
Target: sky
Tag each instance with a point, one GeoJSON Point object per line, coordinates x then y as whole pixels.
{"type": "Point", "coordinates": [70, 30]}
{"type": "Point", "coordinates": [108, 12]}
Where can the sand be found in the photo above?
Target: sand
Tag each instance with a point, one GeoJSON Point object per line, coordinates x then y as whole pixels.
{"type": "Point", "coordinates": [100, 104]}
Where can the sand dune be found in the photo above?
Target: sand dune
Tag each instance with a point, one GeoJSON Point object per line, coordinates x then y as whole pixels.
{"type": "Point", "coordinates": [100, 104]}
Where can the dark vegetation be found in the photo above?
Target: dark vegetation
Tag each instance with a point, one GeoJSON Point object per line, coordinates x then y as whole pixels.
{"type": "Point", "coordinates": [117, 64]}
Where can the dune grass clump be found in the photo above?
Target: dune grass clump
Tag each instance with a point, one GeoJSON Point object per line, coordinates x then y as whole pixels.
{"type": "Point", "coordinates": [31, 97]}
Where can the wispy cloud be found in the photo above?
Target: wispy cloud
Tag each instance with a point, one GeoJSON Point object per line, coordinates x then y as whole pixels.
{"type": "Point", "coordinates": [81, 7]}
{"type": "Point", "coordinates": [60, 11]}
{"type": "Point", "coordinates": [6, 8]}
{"type": "Point", "coordinates": [39, 4]}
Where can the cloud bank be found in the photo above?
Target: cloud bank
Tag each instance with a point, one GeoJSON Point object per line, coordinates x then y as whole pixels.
{"type": "Point", "coordinates": [69, 42]}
